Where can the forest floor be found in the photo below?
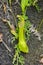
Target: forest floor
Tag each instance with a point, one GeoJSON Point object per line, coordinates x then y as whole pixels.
{"type": "Point", "coordinates": [36, 46]}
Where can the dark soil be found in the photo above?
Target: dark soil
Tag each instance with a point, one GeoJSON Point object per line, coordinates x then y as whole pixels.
{"type": "Point", "coordinates": [36, 46]}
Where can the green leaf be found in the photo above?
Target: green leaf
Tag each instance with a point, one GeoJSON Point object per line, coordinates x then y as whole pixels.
{"type": "Point", "coordinates": [24, 3]}
{"type": "Point", "coordinates": [21, 60]}
{"type": "Point", "coordinates": [23, 46]}
{"type": "Point", "coordinates": [22, 43]}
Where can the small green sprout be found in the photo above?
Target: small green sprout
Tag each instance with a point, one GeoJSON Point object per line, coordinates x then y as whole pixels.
{"type": "Point", "coordinates": [22, 43]}
{"type": "Point", "coordinates": [18, 58]}
{"type": "Point", "coordinates": [25, 3]}
{"type": "Point", "coordinates": [23, 28]}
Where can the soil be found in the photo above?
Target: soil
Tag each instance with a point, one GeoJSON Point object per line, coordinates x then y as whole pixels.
{"type": "Point", "coordinates": [36, 46]}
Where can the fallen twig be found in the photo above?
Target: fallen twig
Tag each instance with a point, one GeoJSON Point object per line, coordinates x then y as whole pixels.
{"type": "Point", "coordinates": [1, 40]}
